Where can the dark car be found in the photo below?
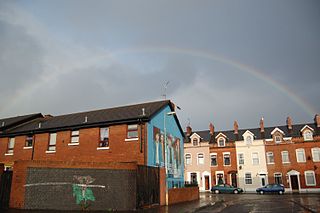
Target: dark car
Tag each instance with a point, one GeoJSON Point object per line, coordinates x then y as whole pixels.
{"type": "Point", "coordinates": [225, 188]}
{"type": "Point", "coordinates": [271, 188]}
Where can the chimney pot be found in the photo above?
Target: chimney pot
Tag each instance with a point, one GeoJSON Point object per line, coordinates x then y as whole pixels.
{"type": "Point", "coordinates": [235, 127]}
{"type": "Point", "coordinates": [189, 130]}
{"type": "Point", "coordinates": [317, 120]}
{"type": "Point", "coordinates": [211, 128]}
{"type": "Point", "coordinates": [262, 125]}
{"type": "Point", "coordinates": [289, 122]}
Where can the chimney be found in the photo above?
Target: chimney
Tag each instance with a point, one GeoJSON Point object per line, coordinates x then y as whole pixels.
{"type": "Point", "coordinates": [86, 119]}
{"type": "Point", "coordinates": [39, 125]}
{"type": "Point", "coordinates": [289, 122]}
{"type": "Point", "coordinates": [235, 127]}
{"type": "Point", "coordinates": [211, 128]}
{"type": "Point", "coordinates": [189, 131]}
{"type": "Point", "coordinates": [317, 120]}
{"type": "Point", "coordinates": [261, 125]}
{"type": "Point", "coordinates": [143, 112]}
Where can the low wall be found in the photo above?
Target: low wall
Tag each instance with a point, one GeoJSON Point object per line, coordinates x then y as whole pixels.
{"type": "Point", "coordinates": [105, 185]}
{"type": "Point", "coordinates": [179, 195]}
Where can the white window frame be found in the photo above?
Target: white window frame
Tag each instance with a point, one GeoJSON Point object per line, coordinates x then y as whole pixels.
{"type": "Point", "coordinates": [249, 140]}
{"type": "Point", "coordinates": [304, 156]}
{"type": "Point", "coordinates": [222, 139]}
{"type": "Point", "coordinates": [314, 178]}
{"type": "Point", "coordinates": [253, 162]}
{"type": "Point", "coordinates": [240, 163]}
{"type": "Point", "coordinates": [214, 154]}
{"type": "Point", "coordinates": [277, 174]}
{"type": "Point", "coordinates": [224, 154]}
{"type": "Point", "coordinates": [283, 158]}
{"type": "Point", "coordinates": [185, 157]}
{"type": "Point", "coordinates": [75, 135]}
{"type": "Point", "coordinates": [26, 144]}
{"type": "Point", "coordinates": [245, 178]}
{"type": "Point", "coordinates": [268, 155]}
{"type": "Point", "coordinates": [195, 141]}
{"type": "Point", "coordinates": [307, 135]}
{"type": "Point", "coordinates": [132, 128]}
{"type": "Point", "coordinates": [52, 143]}
{"type": "Point", "coordinates": [198, 162]}
{"type": "Point", "coordinates": [10, 145]}
{"type": "Point", "coordinates": [313, 152]}
{"type": "Point", "coordinates": [277, 137]}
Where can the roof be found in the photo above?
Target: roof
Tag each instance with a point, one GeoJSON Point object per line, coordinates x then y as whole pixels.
{"type": "Point", "coordinates": [295, 132]}
{"type": "Point", "coordinates": [6, 123]}
{"type": "Point", "coordinates": [116, 115]}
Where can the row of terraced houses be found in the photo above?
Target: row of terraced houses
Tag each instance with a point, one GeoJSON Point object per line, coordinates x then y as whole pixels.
{"type": "Point", "coordinates": [251, 158]}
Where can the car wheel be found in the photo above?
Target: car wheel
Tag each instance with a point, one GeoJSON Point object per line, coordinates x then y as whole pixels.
{"type": "Point", "coordinates": [280, 192]}
{"type": "Point", "coordinates": [261, 192]}
{"type": "Point", "coordinates": [216, 191]}
{"type": "Point", "coordinates": [236, 192]}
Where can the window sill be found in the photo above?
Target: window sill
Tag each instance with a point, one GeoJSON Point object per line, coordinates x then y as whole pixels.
{"type": "Point", "coordinates": [214, 166]}
{"type": "Point", "coordinates": [301, 161]}
{"type": "Point", "coordinates": [103, 148]}
{"type": "Point", "coordinates": [8, 154]}
{"type": "Point", "coordinates": [131, 139]}
{"type": "Point", "coordinates": [226, 165]}
{"type": "Point", "coordinates": [285, 162]}
{"type": "Point", "coordinates": [27, 147]}
{"type": "Point", "coordinates": [73, 144]}
{"type": "Point", "coordinates": [310, 184]}
{"type": "Point", "coordinates": [270, 163]}
{"type": "Point", "coordinates": [49, 152]}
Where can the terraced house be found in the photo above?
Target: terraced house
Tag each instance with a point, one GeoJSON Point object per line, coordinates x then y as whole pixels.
{"type": "Point", "coordinates": [113, 139]}
{"type": "Point", "coordinates": [251, 158]}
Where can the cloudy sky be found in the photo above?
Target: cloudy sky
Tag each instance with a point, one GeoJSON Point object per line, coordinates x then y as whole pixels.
{"type": "Point", "coordinates": [224, 60]}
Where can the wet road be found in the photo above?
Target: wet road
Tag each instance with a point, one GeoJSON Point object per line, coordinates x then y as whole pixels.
{"type": "Point", "coordinates": [262, 203]}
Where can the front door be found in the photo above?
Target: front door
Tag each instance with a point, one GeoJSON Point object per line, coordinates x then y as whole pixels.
{"type": "Point", "coordinates": [294, 182]}
{"type": "Point", "coordinates": [206, 181]}
{"type": "Point", "coordinates": [263, 180]}
{"type": "Point", "coordinates": [234, 179]}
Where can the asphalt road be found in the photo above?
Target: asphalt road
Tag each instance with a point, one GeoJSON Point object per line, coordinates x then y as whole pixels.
{"type": "Point", "coordinates": [261, 203]}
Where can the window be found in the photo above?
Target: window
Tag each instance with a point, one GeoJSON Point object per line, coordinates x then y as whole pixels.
{"type": "Point", "coordinates": [307, 135]}
{"type": "Point", "coordinates": [255, 158]}
{"type": "Point", "coordinates": [75, 136]}
{"type": "Point", "coordinates": [300, 155]}
{"type": "Point", "coordinates": [226, 159]}
{"type": "Point", "coordinates": [195, 142]}
{"type": "Point", "coordinates": [10, 146]}
{"type": "Point", "coordinates": [221, 142]}
{"type": "Point", "coordinates": [248, 178]}
{"type": "Point", "coordinates": [188, 159]}
{"type": "Point", "coordinates": [29, 141]}
{"type": "Point", "coordinates": [213, 159]}
{"type": "Point", "coordinates": [315, 154]}
{"type": "Point", "coordinates": [132, 131]}
{"type": "Point", "coordinates": [278, 139]}
{"type": "Point", "coordinates": [241, 159]}
{"type": "Point", "coordinates": [270, 158]}
{"type": "Point", "coordinates": [278, 178]}
{"type": "Point", "coordinates": [285, 157]}
{"type": "Point", "coordinates": [52, 142]}
{"type": "Point", "coordinates": [104, 137]}
{"type": "Point", "coordinates": [249, 140]}
{"type": "Point", "coordinates": [200, 158]}
{"type": "Point", "coordinates": [310, 178]}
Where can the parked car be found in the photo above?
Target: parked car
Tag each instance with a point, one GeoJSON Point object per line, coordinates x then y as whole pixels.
{"type": "Point", "coordinates": [271, 188]}
{"type": "Point", "coordinates": [225, 188]}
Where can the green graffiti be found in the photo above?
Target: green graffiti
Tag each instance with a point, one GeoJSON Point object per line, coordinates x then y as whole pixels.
{"type": "Point", "coordinates": [82, 196]}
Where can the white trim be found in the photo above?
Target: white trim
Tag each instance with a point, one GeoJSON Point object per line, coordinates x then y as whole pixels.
{"type": "Point", "coordinates": [287, 138]}
{"type": "Point", "coordinates": [267, 159]}
{"type": "Point", "coordinates": [27, 147]}
{"type": "Point", "coordinates": [247, 132]}
{"type": "Point", "coordinates": [224, 141]}
{"type": "Point", "coordinates": [238, 153]}
{"type": "Point", "coordinates": [220, 133]}
{"type": "Point", "coordinates": [218, 173]}
{"type": "Point", "coordinates": [306, 126]}
{"type": "Point", "coordinates": [292, 173]}
{"type": "Point", "coordinates": [304, 154]}
{"type": "Point", "coordinates": [198, 158]}
{"type": "Point", "coordinates": [282, 157]}
{"type": "Point", "coordinates": [314, 178]}
{"type": "Point", "coordinates": [186, 159]}
{"type": "Point", "coordinates": [312, 150]}
{"type": "Point", "coordinates": [277, 129]}
{"type": "Point", "coordinates": [49, 152]}
{"type": "Point", "coordinates": [269, 140]}
{"type": "Point", "coordinates": [226, 153]}
{"type": "Point", "coordinates": [7, 154]}
{"type": "Point", "coordinates": [310, 190]}
{"type": "Point", "coordinates": [103, 148]}
{"type": "Point", "coordinates": [252, 159]}
{"type": "Point", "coordinates": [214, 154]}
{"type": "Point", "coordinates": [196, 134]}
{"type": "Point", "coordinates": [206, 173]}
{"type": "Point", "coordinates": [131, 139]}
{"type": "Point", "coordinates": [73, 144]}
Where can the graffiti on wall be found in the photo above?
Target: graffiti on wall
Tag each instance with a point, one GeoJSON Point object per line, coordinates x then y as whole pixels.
{"type": "Point", "coordinates": [167, 151]}
{"type": "Point", "coordinates": [81, 190]}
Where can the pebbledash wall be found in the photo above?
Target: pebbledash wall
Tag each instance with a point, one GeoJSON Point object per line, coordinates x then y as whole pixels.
{"type": "Point", "coordinates": [73, 185]}
{"type": "Point", "coordinates": [163, 126]}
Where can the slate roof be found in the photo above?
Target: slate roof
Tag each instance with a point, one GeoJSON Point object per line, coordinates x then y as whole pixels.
{"type": "Point", "coordinates": [295, 132]}
{"type": "Point", "coordinates": [116, 115]}
{"type": "Point", "coordinates": [6, 123]}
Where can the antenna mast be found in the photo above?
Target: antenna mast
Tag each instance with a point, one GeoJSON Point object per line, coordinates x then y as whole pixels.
{"type": "Point", "coordinates": [165, 86]}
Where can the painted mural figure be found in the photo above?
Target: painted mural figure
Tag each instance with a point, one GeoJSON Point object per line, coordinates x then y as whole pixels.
{"type": "Point", "coordinates": [157, 146]}
{"type": "Point", "coordinates": [81, 191]}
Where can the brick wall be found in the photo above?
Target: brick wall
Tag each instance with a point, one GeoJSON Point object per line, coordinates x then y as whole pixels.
{"type": "Point", "coordinates": [179, 195]}
{"type": "Point", "coordinates": [119, 179]}
{"type": "Point", "coordinates": [119, 151]}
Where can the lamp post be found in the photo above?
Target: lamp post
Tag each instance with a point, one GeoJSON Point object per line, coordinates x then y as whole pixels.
{"type": "Point", "coordinates": [166, 152]}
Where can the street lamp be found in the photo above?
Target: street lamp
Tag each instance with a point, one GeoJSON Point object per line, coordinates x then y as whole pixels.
{"type": "Point", "coordinates": [166, 152]}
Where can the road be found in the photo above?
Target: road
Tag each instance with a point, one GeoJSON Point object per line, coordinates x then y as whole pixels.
{"type": "Point", "coordinates": [261, 203]}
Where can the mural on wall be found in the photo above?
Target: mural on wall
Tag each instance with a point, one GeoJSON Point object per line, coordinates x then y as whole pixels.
{"type": "Point", "coordinates": [169, 147]}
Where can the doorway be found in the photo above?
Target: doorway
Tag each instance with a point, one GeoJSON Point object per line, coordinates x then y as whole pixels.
{"type": "Point", "coordinates": [234, 179]}
{"type": "Point", "coordinates": [294, 182]}
{"type": "Point", "coordinates": [193, 178]}
{"type": "Point", "coordinates": [206, 183]}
